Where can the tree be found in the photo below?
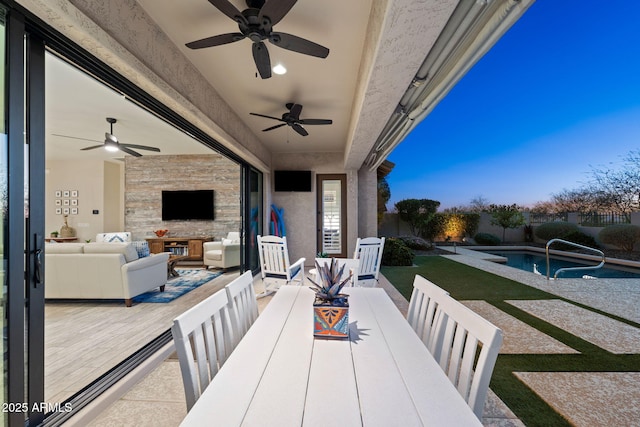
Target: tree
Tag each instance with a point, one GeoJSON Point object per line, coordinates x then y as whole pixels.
{"type": "Point", "coordinates": [506, 216]}
{"type": "Point", "coordinates": [384, 194]}
{"type": "Point", "coordinates": [478, 204]}
{"type": "Point", "coordinates": [619, 188]}
{"type": "Point", "coordinates": [417, 213]}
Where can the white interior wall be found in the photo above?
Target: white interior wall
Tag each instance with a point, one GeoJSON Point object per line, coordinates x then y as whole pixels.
{"type": "Point", "coordinates": [87, 178]}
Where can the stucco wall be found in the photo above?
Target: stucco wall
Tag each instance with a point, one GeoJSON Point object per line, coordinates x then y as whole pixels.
{"type": "Point", "coordinates": [367, 203]}
{"type": "Point", "coordinates": [300, 207]}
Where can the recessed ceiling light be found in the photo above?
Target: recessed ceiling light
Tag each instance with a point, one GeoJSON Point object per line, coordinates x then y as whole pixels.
{"type": "Point", "coordinates": [279, 69]}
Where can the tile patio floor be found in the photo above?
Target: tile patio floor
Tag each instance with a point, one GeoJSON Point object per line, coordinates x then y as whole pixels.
{"type": "Point", "coordinates": [584, 398]}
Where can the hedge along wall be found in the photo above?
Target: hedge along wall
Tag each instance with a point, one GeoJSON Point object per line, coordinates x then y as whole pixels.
{"type": "Point", "coordinates": [392, 226]}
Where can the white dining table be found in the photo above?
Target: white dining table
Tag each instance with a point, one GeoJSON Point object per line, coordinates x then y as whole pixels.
{"type": "Point", "coordinates": [280, 375]}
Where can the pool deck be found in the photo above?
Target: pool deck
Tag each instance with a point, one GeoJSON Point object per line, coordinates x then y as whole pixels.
{"type": "Point", "coordinates": [584, 398]}
{"type": "Point", "coordinates": [620, 297]}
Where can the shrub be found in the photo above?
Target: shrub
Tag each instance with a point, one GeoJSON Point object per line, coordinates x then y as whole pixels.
{"type": "Point", "coordinates": [579, 238]}
{"type": "Point", "coordinates": [555, 230]}
{"type": "Point", "coordinates": [624, 236]}
{"type": "Point", "coordinates": [487, 239]}
{"type": "Point", "coordinates": [455, 225]}
{"type": "Point", "coordinates": [416, 243]}
{"type": "Point", "coordinates": [396, 252]}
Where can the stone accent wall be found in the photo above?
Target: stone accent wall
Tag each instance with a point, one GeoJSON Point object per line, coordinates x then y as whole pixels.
{"type": "Point", "coordinates": [147, 176]}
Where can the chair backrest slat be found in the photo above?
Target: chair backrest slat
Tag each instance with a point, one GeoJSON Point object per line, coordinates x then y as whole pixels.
{"type": "Point", "coordinates": [274, 257]}
{"type": "Point", "coordinates": [459, 333]}
{"type": "Point", "coordinates": [274, 264]}
{"type": "Point", "coordinates": [203, 336]}
{"type": "Point", "coordinates": [422, 314]}
{"type": "Point", "coordinates": [369, 252]}
{"type": "Point", "coordinates": [243, 306]}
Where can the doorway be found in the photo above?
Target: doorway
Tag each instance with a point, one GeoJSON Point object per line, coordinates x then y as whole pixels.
{"type": "Point", "coordinates": [331, 222]}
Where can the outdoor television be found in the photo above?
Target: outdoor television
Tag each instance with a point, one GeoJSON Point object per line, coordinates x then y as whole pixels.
{"type": "Point", "coordinates": [292, 180]}
{"type": "Point", "coordinates": [187, 205]}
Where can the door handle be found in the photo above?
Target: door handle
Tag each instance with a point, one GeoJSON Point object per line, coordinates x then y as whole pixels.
{"type": "Point", "coordinates": [37, 260]}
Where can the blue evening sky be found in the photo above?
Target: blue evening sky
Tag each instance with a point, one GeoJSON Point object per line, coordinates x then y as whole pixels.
{"type": "Point", "coordinates": [557, 96]}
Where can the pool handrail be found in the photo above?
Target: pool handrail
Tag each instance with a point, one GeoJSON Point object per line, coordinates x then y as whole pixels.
{"type": "Point", "coordinates": [593, 267]}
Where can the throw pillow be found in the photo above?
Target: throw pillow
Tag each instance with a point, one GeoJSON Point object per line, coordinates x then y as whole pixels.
{"type": "Point", "coordinates": [115, 237]}
{"type": "Point", "coordinates": [142, 247]}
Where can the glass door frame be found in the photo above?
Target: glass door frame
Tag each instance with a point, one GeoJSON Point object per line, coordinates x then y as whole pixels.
{"type": "Point", "coordinates": [25, 227]}
{"type": "Point", "coordinates": [320, 178]}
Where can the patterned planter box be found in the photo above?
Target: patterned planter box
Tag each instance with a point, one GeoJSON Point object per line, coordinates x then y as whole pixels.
{"type": "Point", "coordinates": [330, 321]}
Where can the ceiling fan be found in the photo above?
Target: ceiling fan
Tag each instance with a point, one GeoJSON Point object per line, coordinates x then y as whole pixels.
{"type": "Point", "coordinates": [292, 118]}
{"type": "Point", "coordinates": [111, 143]}
{"type": "Point", "coordinates": [256, 23]}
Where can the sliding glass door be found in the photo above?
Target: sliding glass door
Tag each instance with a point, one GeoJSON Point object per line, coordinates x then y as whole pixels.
{"type": "Point", "coordinates": [22, 196]}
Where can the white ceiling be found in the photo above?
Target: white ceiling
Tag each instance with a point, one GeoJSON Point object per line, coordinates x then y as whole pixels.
{"type": "Point", "coordinates": [325, 87]}
{"type": "Point", "coordinates": [77, 105]}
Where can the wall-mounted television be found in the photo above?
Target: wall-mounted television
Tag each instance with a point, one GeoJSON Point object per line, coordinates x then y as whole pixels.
{"type": "Point", "coordinates": [187, 205]}
{"type": "Point", "coordinates": [291, 180]}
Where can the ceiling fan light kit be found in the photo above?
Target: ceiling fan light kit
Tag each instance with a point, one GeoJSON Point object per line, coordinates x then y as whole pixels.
{"type": "Point", "coordinates": [256, 23]}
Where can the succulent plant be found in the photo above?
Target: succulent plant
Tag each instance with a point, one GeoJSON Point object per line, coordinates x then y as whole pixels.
{"type": "Point", "coordinates": [331, 283]}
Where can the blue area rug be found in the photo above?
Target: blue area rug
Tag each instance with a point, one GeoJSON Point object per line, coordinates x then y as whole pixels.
{"type": "Point", "coordinates": [188, 280]}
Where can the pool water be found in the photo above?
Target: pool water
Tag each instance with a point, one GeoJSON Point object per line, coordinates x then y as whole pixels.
{"type": "Point", "coordinates": [537, 263]}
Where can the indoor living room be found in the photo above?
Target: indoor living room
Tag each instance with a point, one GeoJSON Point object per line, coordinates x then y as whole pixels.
{"type": "Point", "coordinates": [90, 191]}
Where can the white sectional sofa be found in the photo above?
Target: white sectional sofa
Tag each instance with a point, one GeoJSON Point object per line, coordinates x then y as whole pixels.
{"type": "Point", "coordinates": [101, 271]}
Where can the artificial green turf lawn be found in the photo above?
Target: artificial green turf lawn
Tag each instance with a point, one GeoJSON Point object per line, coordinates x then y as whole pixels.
{"type": "Point", "coordinates": [468, 283]}
{"type": "Point", "coordinates": [462, 282]}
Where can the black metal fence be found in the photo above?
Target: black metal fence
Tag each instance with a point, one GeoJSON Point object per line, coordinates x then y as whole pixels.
{"type": "Point", "coordinates": [597, 219]}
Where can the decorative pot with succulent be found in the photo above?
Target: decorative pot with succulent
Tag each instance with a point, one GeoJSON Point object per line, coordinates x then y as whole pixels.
{"type": "Point", "coordinates": [330, 308]}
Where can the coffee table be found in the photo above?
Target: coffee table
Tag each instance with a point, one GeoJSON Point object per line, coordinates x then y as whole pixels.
{"type": "Point", "coordinates": [171, 265]}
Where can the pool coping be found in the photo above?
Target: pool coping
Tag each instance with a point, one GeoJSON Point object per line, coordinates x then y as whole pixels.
{"type": "Point", "coordinates": [497, 258]}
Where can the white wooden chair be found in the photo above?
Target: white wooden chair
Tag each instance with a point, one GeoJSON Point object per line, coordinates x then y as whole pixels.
{"type": "Point", "coordinates": [369, 252]}
{"type": "Point", "coordinates": [274, 264]}
{"type": "Point", "coordinates": [243, 306]}
{"type": "Point", "coordinates": [460, 332]}
{"type": "Point", "coordinates": [422, 313]}
{"type": "Point", "coordinates": [203, 338]}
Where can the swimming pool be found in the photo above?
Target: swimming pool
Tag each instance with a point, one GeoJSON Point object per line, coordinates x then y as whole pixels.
{"type": "Point", "coordinates": [537, 263]}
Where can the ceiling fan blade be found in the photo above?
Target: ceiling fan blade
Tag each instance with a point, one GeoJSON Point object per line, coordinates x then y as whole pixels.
{"type": "Point", "coordinates": [268, 117]}
{"type": "Point", "coordinates": [298, 44]}
{"type": "Point", "coordinates": [274, 127]}
{"type": "Point", "coordinates": [141, 147]}
{"type": "Point", "coordinates": [316, 122]}
{"type": "Point", "coordinates": [92, 147]}
{"type": "Point", "coordinates": [228, 9]}
{"type": "Point", "coordinates": [302, 131]}
{"type": "Point", "coordinates": [295, 111]}
{"type": "Point", "coordinates": [129, 151]}
{"type": "Point", "coordinates": [261, 58]}
{"type": "Point", "coordinates": [215, 40]}
{"type": "Point", "coordinates": [75, 137]}
{"type": "Point", "coordinates": [275, 10]}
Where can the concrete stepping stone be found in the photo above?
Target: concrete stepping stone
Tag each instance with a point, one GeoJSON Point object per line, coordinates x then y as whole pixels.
{"type": "Point", "coordinates": [589, 398]}
{"type": "Point", "coordinates": [519, 338]}
{"type": "Point", "coordinates": [607, 333]}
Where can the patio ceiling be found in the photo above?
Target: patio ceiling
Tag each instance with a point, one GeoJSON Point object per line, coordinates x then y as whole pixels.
{"type": "Point", "coordinates": [378, 50]}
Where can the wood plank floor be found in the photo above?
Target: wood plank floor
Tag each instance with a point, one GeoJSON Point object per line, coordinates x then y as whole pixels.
{"type": "Point", "coordinates": [83, 340]}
